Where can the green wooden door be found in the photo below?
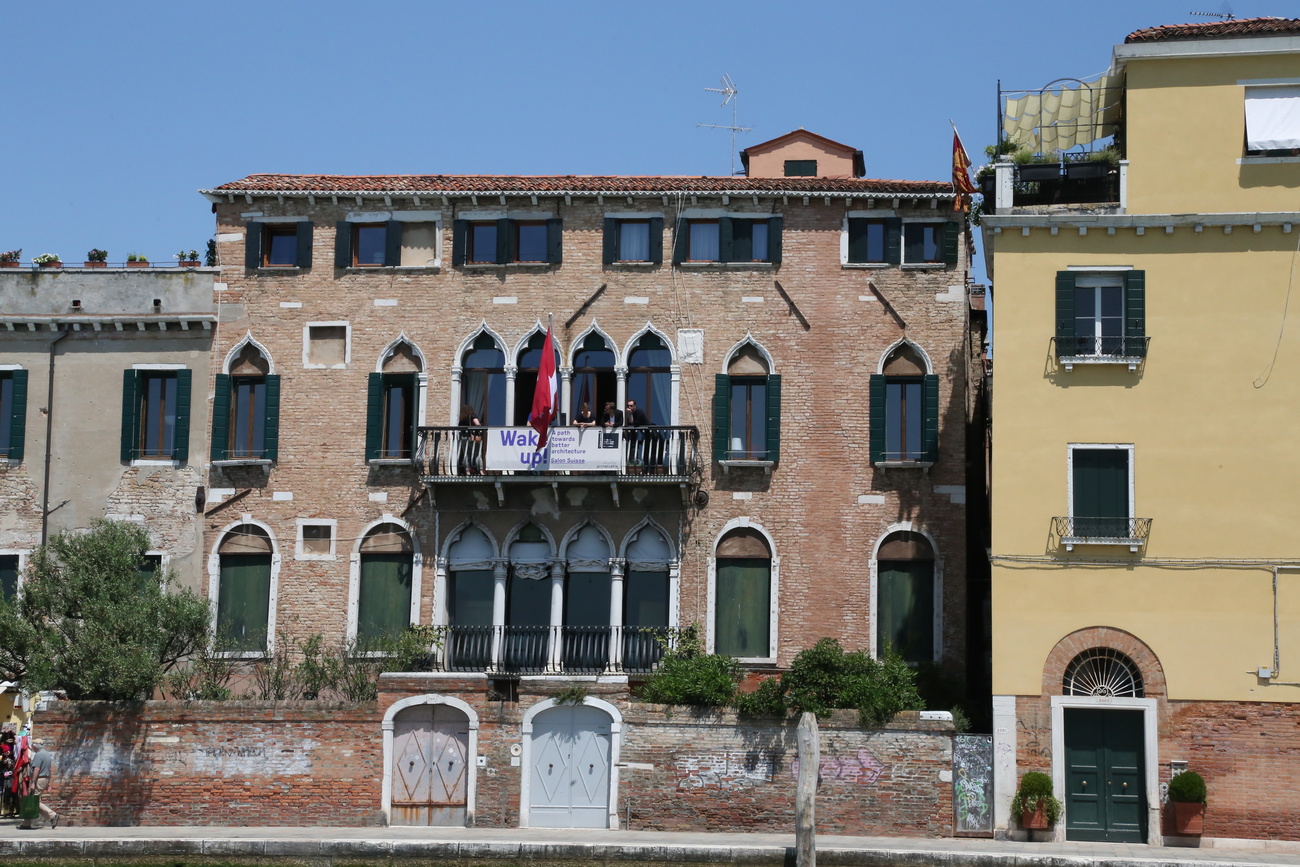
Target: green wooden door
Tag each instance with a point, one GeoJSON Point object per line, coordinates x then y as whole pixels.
{"type": "Point", "coordinates": [1105, 791]}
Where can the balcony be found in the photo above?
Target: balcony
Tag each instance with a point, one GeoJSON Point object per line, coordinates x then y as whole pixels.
{"type": "Point", "coordinates": [1049, 186]}
{"type": "Point", "coordinates": [1130, 532]}
{"type": "Point", "coordinates": [1129, 351]}
{"type": "Point", "coordinates": [499, 456]}
{"type": "Point", "coordinates": [588, 650]}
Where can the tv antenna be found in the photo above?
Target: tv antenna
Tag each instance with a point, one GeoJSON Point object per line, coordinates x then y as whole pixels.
{"type": "Point", "coordinates": [730, 95]}
{"type": "Point", "coordinates": [1224, 15]}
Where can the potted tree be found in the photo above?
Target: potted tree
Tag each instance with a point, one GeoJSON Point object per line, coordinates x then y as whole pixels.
{"type": "Point", "coordinates": [11, 258]}
{"type": "Point", "coordinates": [1034, 804]}
{"type": "Point", "coordinates": [97, 259]}
{"type": "Point", "coordinates": [1187, 800]}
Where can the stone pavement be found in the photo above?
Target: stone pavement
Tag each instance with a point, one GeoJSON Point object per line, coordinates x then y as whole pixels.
{"type": "Point", "coordinates": [328, 846]}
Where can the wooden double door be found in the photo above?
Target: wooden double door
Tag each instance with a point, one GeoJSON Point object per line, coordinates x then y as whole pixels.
{"type": "Point", "coordinates": [430, 766]}
{"type": "Point", "coordinates": [1105, 778]}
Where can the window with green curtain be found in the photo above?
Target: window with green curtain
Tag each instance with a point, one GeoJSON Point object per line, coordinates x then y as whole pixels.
{"type": "Point", "coordinates": [905, 609]}
{"type": "Point", "coordinates": [243, 602]}
{"type": "Point", "coordinates": [384, 595]}
{"type": "Point", "coordinates": [742, 625]}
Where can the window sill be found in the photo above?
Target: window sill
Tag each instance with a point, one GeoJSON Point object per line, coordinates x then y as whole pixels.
{"type": "Point", "coordinates": [278, 269]}
{"type": "Point", "coordinates": [1069, 361]}
{"type": "Point", "coordinates": [496, 266]}
{"type": "Point", "coordinates": [241, 654]}
{"type": "Point", "coordinates": [637, 265]}
{"type": "Point", "coordinates": [904, 465]}
{"type": "Point", "coordinates": [867, 266]}
{"type": "Point", "coordinates": [243, 462]}
{"type": "Point", "coordinates": [155, 462]}
{"type": "Point", "coordinates": [318, 557]}
{"type": "Point", "coordinates": [1266, 161]}
{"type": "Point", "coordinates": [362, 269]}
{"type": "Point", "coordinates": [923, 266]}
{"type": "Point", "coordinates": [765, 466]}
{"type": "Point", "coordinates": [1132, 543]}
{"type": "Point", "coordinates": [728, 266]}
{"type": "Point", "coordinates": [391, 462]}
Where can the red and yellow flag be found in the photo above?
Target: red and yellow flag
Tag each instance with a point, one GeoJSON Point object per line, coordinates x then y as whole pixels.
{"type": "Point", "coordinates": [962, 186]}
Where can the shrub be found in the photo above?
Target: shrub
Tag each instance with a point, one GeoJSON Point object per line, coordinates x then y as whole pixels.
{"type": "Point", "coordinates": [1036, 791]}
{"type": "Point", "coordinates": [1187, 788]}
{"type": "Point", "coordinates": [572, 694]}
{"type": "Point", "coordinates": [687, 675]}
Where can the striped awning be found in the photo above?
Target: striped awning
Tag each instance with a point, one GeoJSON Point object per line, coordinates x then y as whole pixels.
{"type": "Point", "coordinates": [1066, 113]}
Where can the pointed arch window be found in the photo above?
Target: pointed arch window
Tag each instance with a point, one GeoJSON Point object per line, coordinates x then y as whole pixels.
{"type": "Point", "coordinates": [747, 409]}
{"type": "Point", "coordinates": [594, 380]}
{"type": "Point", "coordinates": [528, 601]}
{"type": "Point", "coordinates": [905, 590]}
{"type": "Point", "coordinates": [392, 406]}
{"type": "Point", "coordinates": [650, 378]}
{"type": "Point", "coordinates": [528, 362]}
{"type": "Point", "coordinates": [645, 599]}
{"type": "Point", "coordinates": [904, 410]}
{"type": "Point", "coordinates": [470, 583]}
{"type": "Point", "coordinates": [742, 625]}
{"type": "Point", "coordinates": [484, 380]}
{"type": "Point", "coordinates": [244, 590]}
{"type": "Point", "coordinates": [246, 410]}
{"type": "Point", "coordinates": [384, 588]}
{"type": "Point", "coordinates": [587, 593]}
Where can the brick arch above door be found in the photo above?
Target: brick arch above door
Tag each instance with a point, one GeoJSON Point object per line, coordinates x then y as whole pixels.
{"type": "Point", "coordinates": [1082, 640]}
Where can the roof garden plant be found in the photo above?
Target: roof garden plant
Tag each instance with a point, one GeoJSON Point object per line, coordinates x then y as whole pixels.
{"type": "Point", "coordinates": [11, 255]}
{"type": "Point", "coordinates": [97, 255]}
{"type": "Point", "coordinates": [47, 259]}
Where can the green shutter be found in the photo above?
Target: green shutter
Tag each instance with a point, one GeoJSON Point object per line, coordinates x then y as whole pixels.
{"type": "Point", "coordinates": [343, 244]}
{"type": "Point", "coordinates": [271, 426]}
{"type": "Point", "coordinates": [393, 244]}
{"type": "Point", "coordinates": [181, 436]}
{"type": "Point", "coordinates": [774, 417]}
{"type": "Point", "coordinates": [374, 416]}
{"type": "Point", "coordinates": [876, 418]}
{"type": "Point", "coordinates": [1065, 313]}
{"type": "Point", "coordinates": [774, 225]}
{"type": "Point", "coordinates": [303, 252]}
{"type": "Point", "coordinates": [611, 241]}
{"type": "Point", "coordinates": [1100, 484]}
{"type": "Point", "coordinates": [930, 428]}
{"type": "Point", "coordinates": [221, 418]}
{"type": "Point", "coordinates": [681, 240]}
{"type": "Point", "coordinates": [657, 240]}
{"type": "Point", "coordinates": [384, 595]}
{"type": "Point", "coordinates": [726, 240]}
{"type": "Point", "coordinates": [505, 241]}
{"type": "Point", "coordinates": [894, 240]}
{"type": "Point", "coordinates": [951, 239]}
{"type": "Point", "coordinates": [459, 232]}
{"type": "Point", "coordinates": [18, 416]}
{"type": "Point", "coordinates": [130, 414]}
{"type": "Point", "coordinates": [253, 246]}
{"type": "Point", "coordinates": [858, 239]}
{"type": "Point", "coordinates": [721, 417]}
{"type": "Point", "coordinates": [1135, 312]}
{"type": "Point", "coordinates": [555, 240]}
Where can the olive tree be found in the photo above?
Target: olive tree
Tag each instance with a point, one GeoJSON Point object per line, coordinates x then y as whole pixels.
{"type": "Point", "coordinates": [91, 620]}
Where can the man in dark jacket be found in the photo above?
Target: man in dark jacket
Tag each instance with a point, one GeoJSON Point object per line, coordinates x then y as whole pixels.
{"type": "Point", "coordinates": [636, 439]}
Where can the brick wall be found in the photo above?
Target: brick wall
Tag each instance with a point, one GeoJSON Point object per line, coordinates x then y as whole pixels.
{"type": "Point", "coordinates": [303, 763]}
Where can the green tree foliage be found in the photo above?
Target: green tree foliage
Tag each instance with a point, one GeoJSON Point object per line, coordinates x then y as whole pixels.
{"type": "Point", "coordinates": [688, 675]}
{"type": "Point", "coordinates": [825, 677]}
{"type": "Point", "coordinates": [88, 620]}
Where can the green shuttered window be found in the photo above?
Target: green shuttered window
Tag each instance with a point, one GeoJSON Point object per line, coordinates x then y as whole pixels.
{"type": "Point", "coordinates": [243, 602]}
{"type": "Point", "coordinates": [156, 415]}
{"type": "Point", "coordinates": [1101, 314]}
{"type": "Point", "coordinates": [278, 245]}
{"type": "Point", "coordinates": [747, 418]}
{"type": "Point", "coordinates": [384, 595]}
{"type": "Point", "coordinates": [507, 241]}
{"type": "Point", "coordinates": [744, 604]}
{"type": "Point", "coordinates": [391, 416]}
{"type": "Point", "coordinates": [903, 418]}
{"type": "Point", "coordinates": [729, 239]}
{"type": "Point", "coordinates": [13, 414]}
{"type": "Point", "coordinates": [245, 418]}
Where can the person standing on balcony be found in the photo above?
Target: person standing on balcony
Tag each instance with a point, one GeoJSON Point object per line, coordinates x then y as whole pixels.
{"type": "Point", "coordinates": [635, 418]}
{"type": "Point", "coordinates": [471, 442]}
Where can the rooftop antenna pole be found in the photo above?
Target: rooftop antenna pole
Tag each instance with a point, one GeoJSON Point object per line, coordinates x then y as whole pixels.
{"type": "Point", "coordinates": [730, 95]}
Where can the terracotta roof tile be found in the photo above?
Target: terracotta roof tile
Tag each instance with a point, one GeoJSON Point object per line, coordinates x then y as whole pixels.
{"type": "Point", "coordinates": [577, 184]}
{"type": "Point", "coordinates": [1215, 29]}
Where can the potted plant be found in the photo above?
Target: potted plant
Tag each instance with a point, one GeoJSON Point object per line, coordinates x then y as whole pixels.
{"type": "Point", "coordinates": [137, 260]}
{"type": "Point", "coordinates": [1034, 804]}
{"type": "Point", "coordinates": [1038, 167]}
{"type": "Point", "coordinates": [1096, 164]}
{"type": "Point", "coordinates": [187, 259]}
{"type": "Point", "coordinates": [1187, 800]}
{"type": "Point", "coordinates": [97, 259]}
{"type": "Point", "coordinates": [10, 258]}
{"type": "Point", "coordinates": [48, 260]}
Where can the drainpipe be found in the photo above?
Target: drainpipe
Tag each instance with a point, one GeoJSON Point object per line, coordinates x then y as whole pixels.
{"type": "Point", "coordinates": [49, 432]}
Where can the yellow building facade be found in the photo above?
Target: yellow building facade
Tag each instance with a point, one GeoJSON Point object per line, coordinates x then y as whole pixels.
{"type": "Point", "coordinates": [1145, 497]}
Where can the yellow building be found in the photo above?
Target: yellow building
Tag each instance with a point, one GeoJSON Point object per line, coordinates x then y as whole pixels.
{"type": "Point", "coordinates": [1145, 474]}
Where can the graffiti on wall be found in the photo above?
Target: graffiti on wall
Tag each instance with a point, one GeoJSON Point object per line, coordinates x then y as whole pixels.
{"type": "Point", "coordinates": [972, 783]}
{"type": "Point", "coordinates": [733, 769]}
{"type": "Point", "coordinates": [862, 769]}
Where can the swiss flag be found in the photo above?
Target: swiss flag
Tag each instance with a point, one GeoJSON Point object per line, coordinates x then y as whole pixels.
{"type": "Point", "coordinates": [546, 396]}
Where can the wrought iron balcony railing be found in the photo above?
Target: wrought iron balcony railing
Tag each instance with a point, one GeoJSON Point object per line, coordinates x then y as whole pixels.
{"type": "Point", "coordinates": [1132, 532]}
{"type": "Point", "coordinates": [468, 454]}
{"type": "Point", "coordinates": [553, 649]}
{"type": "Point", "coordinates": [1119, 349]}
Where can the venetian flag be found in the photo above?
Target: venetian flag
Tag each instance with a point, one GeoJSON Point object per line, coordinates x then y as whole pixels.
{"type": "Point", "coordinates": [962, 186]}
{"type": "Point", "coordinates": [546, 395]}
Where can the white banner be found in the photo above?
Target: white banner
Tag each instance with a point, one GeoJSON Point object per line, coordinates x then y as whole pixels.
{"type": "Point", "coordinates": [567, 448]}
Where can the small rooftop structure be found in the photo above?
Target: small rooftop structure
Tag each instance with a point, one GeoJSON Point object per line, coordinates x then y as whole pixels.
{"type": "Point", "coordinates": [800, 153]}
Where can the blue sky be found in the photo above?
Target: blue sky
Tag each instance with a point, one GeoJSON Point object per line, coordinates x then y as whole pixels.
{"type": "Point", "coordinates": [119, 112]}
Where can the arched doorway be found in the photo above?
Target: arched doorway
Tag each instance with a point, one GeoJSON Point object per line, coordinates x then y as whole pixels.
{"type": "Point", "coordinates": [430, 779]}
{"type": "Point", "coordinates": [570, 764]}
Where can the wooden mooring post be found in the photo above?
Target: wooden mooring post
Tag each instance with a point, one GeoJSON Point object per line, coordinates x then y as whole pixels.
{"type": "Point", "coordinates": [805, 796]}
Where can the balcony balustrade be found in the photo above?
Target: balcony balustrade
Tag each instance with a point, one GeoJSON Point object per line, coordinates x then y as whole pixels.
{"type": "Point", "coordinates": [552, 649]}
{"type": "Point", "coordinates": [1132, 532]}
{"type": "Point", "coordinates": [1085, 349]}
